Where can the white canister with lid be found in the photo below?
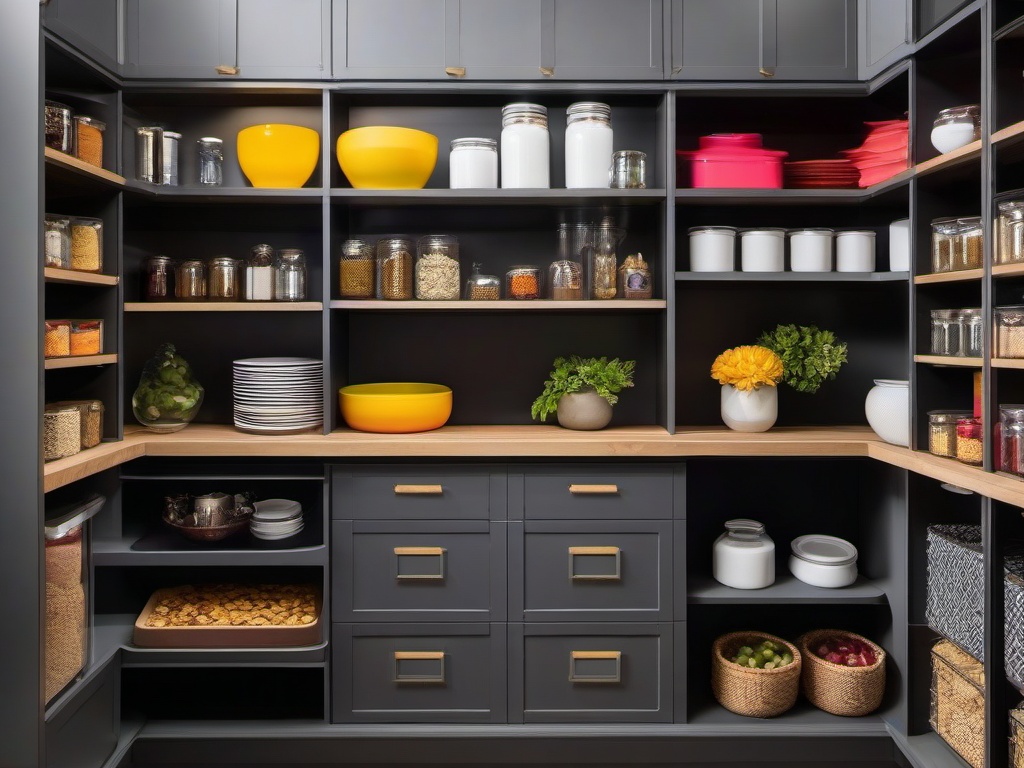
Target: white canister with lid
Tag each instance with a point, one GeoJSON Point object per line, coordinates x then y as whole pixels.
{"type": "Point", "coordinates": [855, 251]}
{"type": "Point", "coordinates": [525, 147]}
{"type": "Point", "coordinates": [588, 145]}
{"type": "Point", "coordinates": [763, 250]}
{"type": "Point", "coordinates": [473, 164]}
{"type": "Point", "coordinates": [899, 246]}
{"type": "Point", "coordinates": [744, 556]}
{"type": "Point", "coordinates": [823, 561]}
{"type": "Point", "coordinates": [810, 250]}
{"type": "Point", "coordinates": [712, 249]}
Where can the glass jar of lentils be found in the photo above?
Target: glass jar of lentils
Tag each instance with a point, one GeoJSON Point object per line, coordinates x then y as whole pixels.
{"type": "Point", "coordinates": [356, 270]}
{"type": "Point", "coordinates": [942, 431]}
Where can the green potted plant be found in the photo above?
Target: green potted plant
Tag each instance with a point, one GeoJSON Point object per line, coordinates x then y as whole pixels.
{"type": "Point", "coordinates": [810, 356]}
{"type": "Point", "coordinates": [581, 391]}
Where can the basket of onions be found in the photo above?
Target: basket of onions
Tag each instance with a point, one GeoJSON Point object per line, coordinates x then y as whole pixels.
{"type": "Point", "coordinates": [843, 673]}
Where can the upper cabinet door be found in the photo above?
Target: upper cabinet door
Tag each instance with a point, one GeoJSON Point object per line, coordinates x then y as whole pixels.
{"type": "Point", "coordinates": [180, 38]}
{"type": "Point", "coordinates": [716, 39]}
{"type": "Point", "coordinates": [607, 39]}
{"type": "Point", "coordinates": [395, 39]}
{"type": "Point", "coordinates": [91, 26]}
{"type": "Point", "coordinates": [884, 34]}
{"type": "Point", "coordinates": [290, 40]}
{"type": "Point", "coordinates": [500, 40]}
{"type": "Point", "coordinates": [815, 40]}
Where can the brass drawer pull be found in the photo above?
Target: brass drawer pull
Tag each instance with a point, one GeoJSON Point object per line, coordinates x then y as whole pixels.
{"type": "Point", "coordinates": [225, 69]}
{"type": "Point", "coordinates": [595, 667]}
{"type": "Point", "coordinates": [547, 71]}
{"type": "Point", "coordinates": [410, 563]}
{"type": "Point", "coordinates": [419, 667]}
{"type": "Point", "coordinates": [611, 556]}
{"type": "Point", "coordinates": [598, 490]}
{"type": "Point", "coordinates": [455, 71]}
{"type": "Point", "coordinates": [766, 71]}
{"type": "Point", "coordinates": [418, 490]}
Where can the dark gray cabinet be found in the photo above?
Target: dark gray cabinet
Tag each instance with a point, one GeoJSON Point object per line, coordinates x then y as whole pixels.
{"type": "Point", "coordinates": [91, 26]}
{"type": "Point", "coordinates": [393, 39]}
{"type": "Point", "coordinates": [284, 40]}
{"type": "Point", "coordinates": [596, 492]}
{"type": "Point", "coordinates": [884, 34]}
{"type": "Point", "coordinates": [418, 492]}
{"type": "Point", "coordinates": [607, 40]}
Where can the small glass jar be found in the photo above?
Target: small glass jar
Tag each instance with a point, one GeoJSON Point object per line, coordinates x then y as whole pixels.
{"type": "Point", "coordinates": [259, 273]}
{"type": "Point", "coordinates": [89, 140]}
{"type": "Point", "coordinates": [211, 161]}
{"type": "Point", "coordinates": [972, 331]}
{"type": "Point", "coordinates": [1010, 232]}
{"type": "Point", "coordinates": [357, 268]}
{"type": "Point", "coordinates": [956, 127]}
{"type": "Point", "coordinates": [59, 126]}
{"type": "Point", "coordinates": [944, 243]}
{"type": "Point", "coordinates": [224, 281]}
{"type": "Point", "coordinates": [86, 337]}
{"type": "Point", "coordinates": [968, 253]}
{"type": "Point", "coordinates": [629, 169]}
{"type": "Point", "coordinates": [635, 278]}
{"type": "Point", "coordinates": [1009, 331]}
{"type": "Point", "coordinates": [190, 280]}
{"type": "Point", "coordinates": [525, 147]}
{"type": "Point", "coordinates": [763, 250]}
{"type": "Point", "coordinates": [603, 265]}
{"type": "Point", "coordinates": [57, 241]}
{"type": "Point", "coordinates": [744, 556]}
{"type": "Point", "coordinates": [395, 268]}
{"type": "Point", "coordinates": [1011, 439]}
{"type": "Point", "coordinates": [942, 431]}
{"type": "Point", "coordinates": [522, 281]}
{"type": "Point", "coordinates": [62, 432]}
{"type": "Point", "coordinates": [158, 279]}
{"type": "Point", "coordinates": [86, 244]}
{"type": "Point", "coordinates": [290, 275]}
{"type": "Point", "coordinates": [712, 249]}
{"type": "Point", "coordinates": [946, 338]}
{"type": "Point", "coordinates": [169, 158]}
{"type": "Point", "coordinates": [473, 164]}
{"type": "Point", "coordinates": [970, 446]}
{"type": "Point", "coordinates": [482, 287]}
{"type": "Point", "coordinates": [149, 142]}
{"type": "Point", "coordinates": [437, 268]}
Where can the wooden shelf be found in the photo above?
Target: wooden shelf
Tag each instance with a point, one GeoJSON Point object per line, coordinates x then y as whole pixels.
{"type": "Point", "coordinates": [1011, 134]}
{"type": "Point", "coordinates": [1007, 362]}
{"type": "Point", "coordinates": [74, 277]}
{"type": "Point", "coordinates": [1007, 270]}
{"type": "Point", "coordinates": [81, 361]}
{"type": "Point", "coordinates": [67, 163]}
{"type": "Point", "coordinates": [961, 276]}
{"type": "Point", "coordinates": [949, 360]}
{"type": "Point", "coordinates": [950, 159]}
{"type": "Point", "coordinates": [541, 305]}
{"type": "Point", "coordinates": [223, 306]}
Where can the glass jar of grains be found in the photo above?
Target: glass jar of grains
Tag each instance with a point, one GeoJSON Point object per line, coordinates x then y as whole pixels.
{"type": "Point", "coordinates": [356, 270]}
{"type": "Point", "coordinates": [482, 287]}
{"type": "Point", "coordinates": [190, 280]}
{"type": "Point", "coordinates": [62, 432]}
{"type": "Point", "coordinates": [1009, 328]}
{"type": "Point", "coordinates": [944, 239]}
{"type": "Point", "coordinates": [89, 140]}
{"type": "Point", "coordinates": [395, 268]}
{"type": "Point", "coordinates": [1010, 232]}
{"type": "Point", "coordinates": [522, 282]}
{"type": "Point", "coordinates": [970, 447]}
{"type": "Point", "coordinates": [942, 431]}
{"type": "Point", "coordinates": [87, 244]}
{"type": "Point", "coordinates": [224, 282]}
{"type": "Point", "coordinates": [158, 278]}
{"type": "Point", "coordinates": [437, 268]}
{"type": "Point", "coordinates": [968, 253]}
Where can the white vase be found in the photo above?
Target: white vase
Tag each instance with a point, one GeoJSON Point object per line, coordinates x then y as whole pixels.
{"type": "Point", "coordinates": [753, 410]}
{"type": "Point", "coordinates": [583, 410]}
{"type": "Point", "coordinates": [888, 410]}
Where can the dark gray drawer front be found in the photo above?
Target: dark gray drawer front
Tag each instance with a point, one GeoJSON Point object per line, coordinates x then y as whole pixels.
{"type": "Point", "coordinates": [403, 673]}
{"type": "Point", "coordinates": [419, 571]}
{"type": "Point", "coordinates": [597, 491]}
{"type": "Point", "coordinates": [591, 673]}
{"type": "Point", "coordinates": [592, 571]}
{"type": "Point", "coordinates": [420, 492]}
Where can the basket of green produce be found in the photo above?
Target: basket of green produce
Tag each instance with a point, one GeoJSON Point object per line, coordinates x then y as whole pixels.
{"type": "Point", "coordinates": [755, 674]}
{"type": "Point", "coordinates": [168, 396]}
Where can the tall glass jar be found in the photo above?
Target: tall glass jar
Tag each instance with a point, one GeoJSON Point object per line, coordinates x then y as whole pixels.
{"type": "Point", "coordinates": [437, 268]}
{"type": "Point", "coordinates": [59, 127]}
{"type": "Point", "coordinates": [224, 283]}
{"type": "Point", "coordinates": [588, 145]}
{"type": "Point", "coordinates": [290, 275]}
{"type": "Point", "coordinates": [1011, 439]}
{"type": "Point", "coordinates": [158, 278]}
{"type": "Point", "coordinates": [357, 268]}
{"type": "Point", "coordinates": [211, 161]}
{"type": "Point", "coordinates": [259, 273]}
{"type": "Point", "coordinates": [1010, 232]}
{"type": "Point", "coordinates": [87, 244]}
{"type": "Point", "coordinates": [968, 253]}
{"type": "Point", "coordinates": [604, 262]}
{"type": "Point", "coordinates": [190, 280]}
{"type": "Point", "coordinates": [525, 147]}
{"type": "Point", "coordinates": [89, 140]}
{"type": "Point", "coordinates": [972, 330]}
{"type": "Point", "coordinates": [57, 241]}
{"type": "Point", "coordinates": [565, 275]}
{"type": "Point", "coordinates": [944, 241]}
{"type": "Point", "coordinates": [473, 164]}
{"type": "Point", "coordinates": [946, 332]}
{"type": "Point", "coordinates": [942, 431]}
{"type": "Point", "coordinates": [395, 268]}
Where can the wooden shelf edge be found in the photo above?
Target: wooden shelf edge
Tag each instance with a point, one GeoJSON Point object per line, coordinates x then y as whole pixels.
{"type": "Point", "coordinates": [1007, 270]}
{"type": "Point", "coordinates": [71, 276]}
{"type": "Point", "coordinates": [1007, 362]}
{"type": "Point", "coordinates": [223, 306]}
{"type": "Point", "coordinates": [502, 304]}
{"type": "Point", "coordinates": [61, 159]}
{"type": "Point", "coordinates": [961, 276]}
{"type": "Point", "coordinates": [1009, 133]}
{"type": "Point", "coordinates": [81, 361]}
{"type": "Point", "coordinates": [949, 159]}
{"type": "Point", "coordinates": [958, 362]}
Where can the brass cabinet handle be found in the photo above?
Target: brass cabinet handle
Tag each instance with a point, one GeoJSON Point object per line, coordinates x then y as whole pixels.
{"type": "Point", "coordinates": [421, 490]}
{"type": "Point", "coordinates": [435, 575]}
{"type": "Point", "coordinates": [612, 575]}
{"type": "Point", "coordinates": [591, 670]}
{"type": "Point", "coordinates": [547, 71]}
{"type": "Point", "coordinates": [225, 69]}
{"type": "Point", "coordinates": [767, 71]}
{"type": "Point", "coordinates": [455, 71]}
{"type": "Point", "coordinates": [415, 674]}
{"type": "Point", "coordinates": [607, 490]}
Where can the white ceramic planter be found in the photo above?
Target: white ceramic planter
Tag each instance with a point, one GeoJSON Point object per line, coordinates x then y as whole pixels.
{"type": "Point", "coordinates": [753, 410]}
{"type": "Point", "coordinates": [584, 410]}
{"type": "Point", "coordinates": [888, 410]}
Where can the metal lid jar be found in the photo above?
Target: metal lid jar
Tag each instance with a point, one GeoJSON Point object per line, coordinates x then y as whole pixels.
{"type": "Point", "coordinates": [588, 145]}
{"type": "Point", "coordinates": [944, 243]}
{"type": "Point", "coordinates": [522, 281]}
{"type": "Point", "coordinates": [942, 431]}
{"type": "Point", "coordinates": [259, 273]}
{"type": "Point", "coordinates": [744, 556]}
{"type": "Point", "coordinates": [946, 332]}
{"type": "Point", "coordinates": [482, 287]}
{"type": "Point", "coordinates": [525, 147]}
{"type": "Point", "coordinates": [473, 164]}
{"type": "Point", "coordinates": [190, 280]}
{"type": "Point", "coordinates": [223, 282]}
{"type": "Point", "coordinates": [158, 278]}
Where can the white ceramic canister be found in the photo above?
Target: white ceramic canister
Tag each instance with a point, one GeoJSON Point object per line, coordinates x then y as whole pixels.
{"type": "Point", "coordinates": [887, 408]}
{"type": "Point", "coordinates": [588, 145]}
{"type": "Point", "coordinates": [810, 250]}
{"type": "Point", "coordinates": [899, 246]}
{"type": "Point", "coordinates": [473, 164]}
{"type": "Point", "coordinates": [763, 250]}
{"type": "Point", "coordinates": [855, 251]}
{"type": "Point", "coordinates": [823, 561]}
{"type": "Point", "coordinates": [712, 249]}
{"type": "Point", "coordinates": [744, 556]}
{"type": "Point", "coordinates": [525, 147]}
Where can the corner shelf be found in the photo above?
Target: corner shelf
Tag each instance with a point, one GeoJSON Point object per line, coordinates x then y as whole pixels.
{"type": "Point", "coordinates": [793, 277]}
{"type": "Point", "coordinates": [541, 305]}
{"type": "Point", "coordinates": [961, 276]}
{"type": "Point", "coordinates": [223, 306]}
{"type": "Point", "coordinates": [957, 157]}
{"type": "Point", "coordinates": [81, 361]}
{"type": "Point", "coordinates": [732, 196]}
{"type": "Point", "coordinates": [1011, 134]}
{"type": "Point", "coordinates": [949, 360]}
{"type": "Point", "coordinates": [74, 168]}
{"type": "Point", "coordinates": [786, 590]}
{"type": "Point", "coordinates": [74, 277]}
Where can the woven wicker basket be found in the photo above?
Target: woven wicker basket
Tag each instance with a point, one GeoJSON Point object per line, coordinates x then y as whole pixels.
{"type": "Point", "coordinates": [753, 692]}
{"type": "Point", "coordinates": [958, 701]}
{"type": "Point", "coordinates": [840, 690]}
{"type": "Point", "coordinates": [1017, 737]}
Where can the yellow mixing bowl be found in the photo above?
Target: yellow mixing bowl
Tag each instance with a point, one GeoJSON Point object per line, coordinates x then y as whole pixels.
{"type": "Point", "coordinates": [278, 155]}
{"type": "Point", "coordinates": [395, 407]}
{"type": "Point", "coordinates": [387, 157]}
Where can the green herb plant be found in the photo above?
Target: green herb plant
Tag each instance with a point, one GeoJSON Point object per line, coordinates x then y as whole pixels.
{"type": "Point", "coordinates": [810, 356]}
{"type": "Point", "coordinates": [577, 374]}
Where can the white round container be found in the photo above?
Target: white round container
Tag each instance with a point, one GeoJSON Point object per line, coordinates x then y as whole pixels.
{"type": "Point", "coordinates": [763, 250]}
{"type": "Point", "coordinates": [588, 145]}
{"type": "Point", "coordinates": [899, 246]}
{"type": "Point", "coordinates": [855, 251]}
{"type": "Point", "coordinates": [887, 408]}
{"type": "Point", "coordinates": [823, 561]}
{"type": "Point", "coordinates": [712, 249]}
{"type": "Point", "coordinates": [946, 138]}
{"type": "Point", "coordinates": [810, 250]}
{"type": "Point", "coordinates": [473, 164]}
{"type": "Point", "coordinates": [744, 556]}
{"type": "Point", "coordinates": [525, 147]}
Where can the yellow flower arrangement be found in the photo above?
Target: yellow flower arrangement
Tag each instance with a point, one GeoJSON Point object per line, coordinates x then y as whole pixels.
{"type": "Point", "coordinates": [747, 367]}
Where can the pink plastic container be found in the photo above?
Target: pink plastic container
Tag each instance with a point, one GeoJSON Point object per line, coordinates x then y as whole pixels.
{"type": "Point", "coordinates": [734, 160]}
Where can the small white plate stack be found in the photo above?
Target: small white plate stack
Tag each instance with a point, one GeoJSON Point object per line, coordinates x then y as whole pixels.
{"type": "Point", "coordinates": [276, 519]}
{"type": "Point", "coordinates": [278, 395]}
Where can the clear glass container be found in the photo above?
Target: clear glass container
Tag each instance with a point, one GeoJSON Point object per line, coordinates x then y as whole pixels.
{"type": "Point", "coordinates": [56, 338]}
{"type": "Point", "coordinates": [482, 287]}
{"type": "Point", "coordinates": [86, 244]}
{"type": "Point", "coordinates": [190, 280]}
{"type": "Point", "coordinates": [565, 275]}
{"type": "Point", "coordinates": [942, 431]}
{"type": "Point", "coordinates": [1009, 331]}
{"type": "Point", "coordinates": [395, 268]}
{"type": "Point", "coordinates": [224, 280]}
{"type": "Point", "coordinates": [259, 273]}
{"type": "Point", "coordinates": [1011, 439]}
{"type": "Point", "coordinates": [971, 332]}
{"type": "Point", "coordinates": [525, 147]}
{"type": "Point", "coordinates": [357, 269]}
{"type": "Point", "coordinates": [956, 127]}
{"type": "Point", "coordinates": [89, 140]}
{"type": "Point", "coordinates": [473, 164]}
{"type": "Point", "coordinates": [158, 278]}
{"type": "Point", "coordinates": [91, 412]}
{"type": "Point", "coordinates": [744, 556]}
{"type": "Point", "coordinates": [944, 243]}
{"type": "Point", "coordinates": [968, 252]}
{"type": "Point", "coordinates": [86, 337]}
{"type": "Point", "coordinates": [946, 332]}
{"type": "Point", "coordinates": [169, 158]}
{"type": "Point", "coordinates": [1010, 232]}
{"type": "Point", "coordinates": [211, 161]}
{"type": "Point", "coordinates": [290, 275]}
{"type": "Point", "coordinates": [59, 126]}
{"type": "Point", "coordinates": [604, 262]}
{"type": "Point", "coordinates": [437, 268]}
{"type": "Point", "coordinates": [970, 445]}
{"type": "Point", "coordinates": [149, 143]}
{"type": "Point", "coordinates": [62, 431]}
{"type": "Point", "coordinates": [522, 281]}
{"type": "Point", "coordinates": [635, 280]}
{"type": "Point", "coordinates": [629, 169]}
{"type": "Point", "coordinates": [588, 145]}
{"type": "Point", "coordinates": [57, 241]}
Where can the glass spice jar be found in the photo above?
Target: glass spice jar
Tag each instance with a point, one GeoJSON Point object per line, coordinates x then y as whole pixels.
{"type": "Point", "coordinates": [190, 280]}
{"type": "Point", "coordinates": [970, 447]}
{"type": "Point", "coordinates": [944, 243]}
{"type": "Point", "coordinates": [942, 431]}
{"type": "Point", "coordinates": [482, 287]}
{"type": "Point", "coordinates": [211, 161]}
{"type": "Point", "coordinates": [259, 273]}
{"type": "Point", "coordinates": [971, 332]}
{"type": "Point", "coordinates": [1009, 331]}
{"type": "Point", "coordinates": [158, 278]}
{"type": "Point", "coordinates": [290, 275]}
{"type": "Point", "coordinates": [224, 281]}
{"type": "Point", "coordinates": [437, 268]}
{"type": "Point", "coordinates": [357, 269]}
{"type": "Point", "coordinates": [1010, 232]}
{"type": "Point", "coordinates": [522, 281]}
{"type": "Point", "coordinates": [57, 241]}
{"type": "Point", "coordinates": [945, 332]}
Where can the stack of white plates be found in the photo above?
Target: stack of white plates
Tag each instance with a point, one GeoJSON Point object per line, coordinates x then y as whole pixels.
{"type": "Point", "coordinates": [276, 519]}
{"type": "Point", "coordinates": [276, 395]}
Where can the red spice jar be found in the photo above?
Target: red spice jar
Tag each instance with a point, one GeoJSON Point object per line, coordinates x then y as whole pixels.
{"type": "Point", "coordinates": [970, 446]}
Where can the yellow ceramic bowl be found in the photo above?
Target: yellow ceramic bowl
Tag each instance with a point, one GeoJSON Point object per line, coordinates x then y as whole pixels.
{"type": "Point", "coordinates": [387, 157]}
{"type": "Point", "coordinates": [395, 407]}
{"type": "Point", "coordinates": [278, 155]}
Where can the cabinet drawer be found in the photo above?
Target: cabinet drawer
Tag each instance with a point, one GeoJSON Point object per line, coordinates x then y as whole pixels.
{"type": "Point", "coordinates": [591, 672]}
{"type": "Point", "coordinates": [601, 491]}
{"type": "Point", "coordinates": [419, 673]}
{"type": "Point", "coordinates": [419, 571]}
{"type": "Point", "coordinates": [418, 492]}
{"type": "Point", "coordinates": [591, 571]}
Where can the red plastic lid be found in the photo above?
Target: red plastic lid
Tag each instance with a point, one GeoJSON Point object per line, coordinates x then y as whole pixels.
{"type": "Point", "coordinates": [731, 140]}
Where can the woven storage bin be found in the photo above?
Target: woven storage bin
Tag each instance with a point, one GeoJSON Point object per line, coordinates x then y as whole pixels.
{"type": "Point", "coordinates": [841, 690]}
{"type": "Point", "coordinates": [753, 692]}
{"type": "Point", "coordinates": [955, 606]}
{"type": "Point", "coordinates": [1017, 737]}
{"type": "Point", "coordinates": [958, 701]}
{"type": "Point", "coordinates": [1013, 623]}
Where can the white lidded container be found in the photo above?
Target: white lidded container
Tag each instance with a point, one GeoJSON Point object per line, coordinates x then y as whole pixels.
{"type": "Point", "coordinates": [525, 147]}
{"type": "Point", "coordinates": [588, 145]}
{"type": "Point", "coordinates": [712, 249]}
{"type": "Point", "coordinates": [744, 556]}
{"type": "Point", "coordinates": [763, 250]}
{"type": "Point", "coordinates": [899, 246]}
{"type": "Point", "coordinates": [855, 251]}
{"type": "Point", "coordinates": [810, 250]}
{"type": "Point", "coordinates": [473, 164]}
{"type": "Point", "coordinates": [823, 561]}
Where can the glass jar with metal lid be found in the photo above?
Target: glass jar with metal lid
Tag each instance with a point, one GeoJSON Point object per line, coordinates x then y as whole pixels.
{"type": "Point", "coordinates": [1011, 439]}
{"type": "Point", "coordinates": [357, 269]}
{"type": "Point", "coordinates": [157, 278]}
{"type": "Point", "coordinates": [190, 280]}
{"type": "Point", "coordinates": [968, 253]}
{"type": "Point", "coordinates": [588, 145]}
{"type": "Point", "coordinates": [712, 249]}
{"type": "Point", "coordinates": [972, 331]}
{"type": "Point", "coordinates": [946, 332]}
{"type": "Point", "coordinates": [944, 243]}
{"type": "Point", "coordinates": [473, 164]}
{"type": "Point", "coordinates": [970, 447]}
{"type": "Point", "coordinates": [482, 287]}
{"type": "Point", "coordinates": [224, 283]}
{"type": "Point", "coordinates": [1010, 232]}
{"type": "Point", "coordinates": [525, 147]}
{"type": "Point", "coordinates": [290, 275]}
{"type": "Point", "coordinates": [942, 431]}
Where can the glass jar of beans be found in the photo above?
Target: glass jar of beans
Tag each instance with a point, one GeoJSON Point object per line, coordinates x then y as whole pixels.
{"type": "Point", "coordinates": [970, 446]}
{"type": "Point", "coordinates": [522, 282]}
{"type": "Point", "coordinates": [357, 269]}
{"type": "Point", "coordinates": [942, 431]}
